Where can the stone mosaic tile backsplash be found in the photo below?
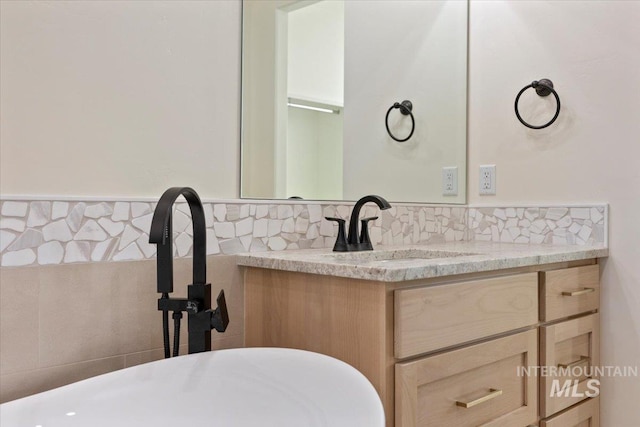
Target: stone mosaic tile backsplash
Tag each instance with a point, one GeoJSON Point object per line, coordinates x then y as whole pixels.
{"type": "Point", "coordinates": [554, 225]}
{"type": "Point", "coordinates": [57, 232]}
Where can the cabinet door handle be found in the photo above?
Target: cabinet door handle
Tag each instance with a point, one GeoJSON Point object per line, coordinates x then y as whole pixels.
{"type": "Point", "coordinates": [579, 292]}
{"type": "Point", "coordinates": [493, 393]}
{"type": "Point", "coordinates": [582, 360]}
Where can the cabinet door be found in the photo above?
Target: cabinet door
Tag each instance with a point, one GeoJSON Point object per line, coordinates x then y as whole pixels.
{"type": "Point", "coordinates": [436, 317]}
{"type": "Point", "coordinates": [586, 414]}
{"type": "Point", "coordinates": [568, 351]}
{"type": "Point", "coordinates": [568, 292]}
{"type": "Point", "coordinates": [480, 385]}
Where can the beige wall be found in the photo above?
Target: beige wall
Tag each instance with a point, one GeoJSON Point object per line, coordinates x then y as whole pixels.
{"type": "Point", "coordinates": [109, 99]}
{"type": "Point", "coordinates": [119, 98]}
{"type": "Point", "coordinates": [65, 323]}
{"type": "Point", "coordinates": [591, 51]}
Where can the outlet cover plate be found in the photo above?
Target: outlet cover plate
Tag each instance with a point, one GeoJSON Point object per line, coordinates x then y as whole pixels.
{"type": "Point", "coordinates": [487, 179]}
{"type": "Point", "coordinates": [450, 181]}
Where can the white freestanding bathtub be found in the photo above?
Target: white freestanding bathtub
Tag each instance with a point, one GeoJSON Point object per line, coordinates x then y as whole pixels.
{"type": "Point", "coordinates": [225, 388]}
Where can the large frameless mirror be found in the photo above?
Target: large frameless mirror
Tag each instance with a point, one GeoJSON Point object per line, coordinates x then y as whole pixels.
{"type": "Point", "coordinates": [318, 78]}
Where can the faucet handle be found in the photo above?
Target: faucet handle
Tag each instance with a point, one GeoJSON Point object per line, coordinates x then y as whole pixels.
{"type": "Point", "coordinates": [220, 316]}
{"type": "Point", "coordinates": [365, 240]}
{"type": "Point", "coordinates": [341, 240]}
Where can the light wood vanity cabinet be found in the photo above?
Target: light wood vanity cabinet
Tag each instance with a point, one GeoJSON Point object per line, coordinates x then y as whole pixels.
{"type": "Point", "coordinates": [586, 414]}
{"type": "Point", "coordinates": [569, 338]}
{"type": "Point", "coordinates": [471, 386]}
{"type": "Point", "coordinates": [573, 345]}
{"type": "Point", "coordinates": [448, 351]}
{"type": "Point", "coordinates": [569, 291]}
{"type": "Point", "coordinates": [435, 317]}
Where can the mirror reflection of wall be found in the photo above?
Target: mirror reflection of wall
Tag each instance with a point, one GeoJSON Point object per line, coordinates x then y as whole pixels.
{"type": "Point", "coordinates": [315, 95]}
{"type": "Point", "coordinates": [397, 50]}
{"type": "Point", "coordinates": [353, 60]}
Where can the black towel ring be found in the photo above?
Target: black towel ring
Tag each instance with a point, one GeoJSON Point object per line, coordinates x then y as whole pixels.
{"type": "Point", "coordinates": [405, 108]}
{"type": "Point", "coordinates": [543, 87]}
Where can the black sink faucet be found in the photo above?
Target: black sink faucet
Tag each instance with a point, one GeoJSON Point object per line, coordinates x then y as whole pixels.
{"type": "Point", "coordinates": [198, 302]}
{"type": "Point", "coordinates": [355, 242]}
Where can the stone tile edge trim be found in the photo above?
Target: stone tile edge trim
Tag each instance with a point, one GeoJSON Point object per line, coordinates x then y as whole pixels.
{"type": "Point", "coordinates": [51, 232]}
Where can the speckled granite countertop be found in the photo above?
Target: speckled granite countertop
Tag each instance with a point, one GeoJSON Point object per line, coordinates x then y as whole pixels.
{"type": "Point", "coordinates": [411, 262]}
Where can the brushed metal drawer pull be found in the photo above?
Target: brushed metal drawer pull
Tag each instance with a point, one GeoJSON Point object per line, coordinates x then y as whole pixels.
{"type": "Point", "coordinates": [493, 393]}
{"type": "Point", "coordinates": [582, 360]}
{"type": "Point", "coordinates": [580, 292]}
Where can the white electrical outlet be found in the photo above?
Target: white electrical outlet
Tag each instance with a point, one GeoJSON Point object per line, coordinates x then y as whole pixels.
{"type": "Point", "coordinates": [450, 181]}
{"type": "Point", "coordinates": [488, 179]}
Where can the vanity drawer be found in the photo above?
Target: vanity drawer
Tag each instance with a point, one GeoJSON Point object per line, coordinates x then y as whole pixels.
{"type": "Point", "coordinates": [479, 385]}
{"type": "Point", "coordinates": [567, 292]}
{"type": "Point", "coordinates": [586, 414]}
{"type": "Point", "coordinates": [436, 317]}
{"type": "Point", "coordinates": [572, 346]}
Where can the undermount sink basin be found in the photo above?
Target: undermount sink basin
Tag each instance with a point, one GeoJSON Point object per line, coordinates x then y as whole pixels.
{"type": "Point", "coordinates": [396, 255]}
